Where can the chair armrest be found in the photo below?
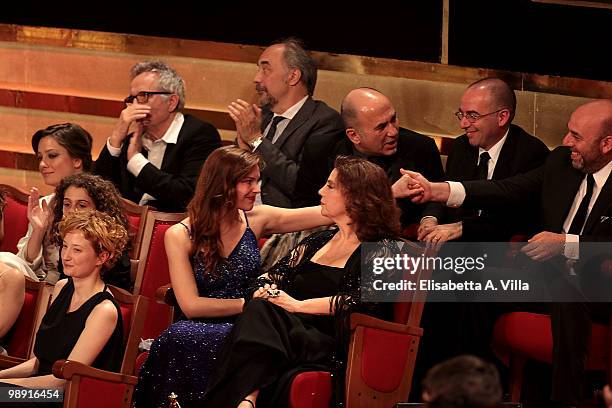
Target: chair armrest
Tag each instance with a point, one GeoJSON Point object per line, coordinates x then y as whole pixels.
{"type": "Point", "coordinates": [165, 294]}
{"type": "Point", "coordinates": [8, 361]}
{"type": "Point", "coordinates": [359, 319]}
{"type": "Point", "coordinates": [65, 369]}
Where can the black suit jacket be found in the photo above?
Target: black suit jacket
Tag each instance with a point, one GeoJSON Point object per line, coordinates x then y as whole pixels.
{"type": "Point", "coordinates": [173, 185]}
{"type": "Point", "coordinates": [414, 152]}
{"type": "Point", "coordinates": [315, 124]}
{"type": "Point", "coordinates": [556, 182]}
{"type": "Point", "coordinates": [520, 153]}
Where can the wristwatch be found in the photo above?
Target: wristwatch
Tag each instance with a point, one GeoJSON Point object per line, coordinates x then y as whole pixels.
{"type": "Point", "coordinates": [256, 143]}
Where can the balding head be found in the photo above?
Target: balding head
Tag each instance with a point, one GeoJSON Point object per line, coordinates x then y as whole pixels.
{"type": "Point", "coordinates": [361, 101]}
{"type": "Point", "coordinates": [371, 122]}
{"type": "Point", "coordinates": [590, 135]}
{"type": "Point", "coordinates": [499, 92]}
{"type": "Point", "coordinates": [599, 112]}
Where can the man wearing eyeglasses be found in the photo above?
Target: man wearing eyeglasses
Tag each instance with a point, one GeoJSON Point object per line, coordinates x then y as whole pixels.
{"type": "Point", "coordinates": [159, 162]}
{"type": "Point", "coordinates": [575, 191]}
{"type": "Point", "coordinates": [491, 148]}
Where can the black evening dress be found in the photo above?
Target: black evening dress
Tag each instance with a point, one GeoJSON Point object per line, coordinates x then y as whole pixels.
{"type": "Point", "coordinates": [60, 330]}
{"type": "Point", "coordinates": [267, 341]}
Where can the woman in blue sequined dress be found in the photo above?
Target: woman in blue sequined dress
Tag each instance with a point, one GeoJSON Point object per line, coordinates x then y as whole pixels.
{"type": "Point", "coordinates": [213, 256]}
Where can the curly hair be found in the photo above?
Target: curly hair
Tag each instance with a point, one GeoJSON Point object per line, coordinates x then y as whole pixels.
{"type": "Point", "coordinates": [369, 200]}
{"type": "Point", "coordinates": [105, 232]}
{"type": "Point", "coordinates": [215, 194]}
{"type": "Point", "coordinates": [103, 193]}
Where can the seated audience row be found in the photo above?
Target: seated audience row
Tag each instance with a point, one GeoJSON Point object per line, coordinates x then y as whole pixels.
{"type": "Point", "coordinates": [293, 142]}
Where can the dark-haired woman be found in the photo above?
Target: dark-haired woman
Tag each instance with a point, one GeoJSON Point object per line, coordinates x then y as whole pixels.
{"type": "Point", "coordinates": [78, 192]}
{"type": "Point", "coordinates": [62, 150]}
{"type": "Point", "coordinates": [300, 320]}
{"type": "Point", "coordinates": [212, 256]}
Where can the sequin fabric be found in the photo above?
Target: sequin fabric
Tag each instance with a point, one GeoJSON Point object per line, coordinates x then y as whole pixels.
{"type": "Point", "coordinates": [182, 357]}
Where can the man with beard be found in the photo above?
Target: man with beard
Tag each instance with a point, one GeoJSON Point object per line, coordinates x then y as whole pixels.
{"type": "Point", "coordinates": [159, 162]}
{"type": "Point", "coordinates": [372, 131]}
{"type": "Point", "coordinates": [575, 190]}
{"type": "Point", "coordinates": [287, 119]}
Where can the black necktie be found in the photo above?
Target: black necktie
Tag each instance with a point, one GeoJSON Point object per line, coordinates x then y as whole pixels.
{"type": "Point", "coordinates": [581, 214]}
{"type": "Point", "coordinates": [272, 130]}
{"type": "Point", "coordinates": [482, 171]}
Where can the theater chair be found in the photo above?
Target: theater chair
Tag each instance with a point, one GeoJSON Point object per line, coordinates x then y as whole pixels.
{"type": "Point", "coordinates": [136, 216]}
{"type": "Point", "coordinates": [381, 355]}
{"type": "Point", "coordinates": [514, 347]}
{"type": "Point", "coordinates": [20, 339]}
{"type": "Point", "coordinates": [88, 387]}
{"type": "Point", "coordinates": [153, 271]}
{"type": "Point", "coordinates": [380, 360]}
{"type": "Point", "coordinates": [15, 218]}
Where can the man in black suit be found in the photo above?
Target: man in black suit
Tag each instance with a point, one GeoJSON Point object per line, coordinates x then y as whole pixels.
{"type": "Point", "coordinates": [575, 189]}
{"type": "Point", "coordinates": [491, 148]}
{"type": "Point", "coordinates": [157, 164]}
{"type": "Point", "coordinates": [287, 119]}
{"type": "Point", "coordinates": [372, 131]}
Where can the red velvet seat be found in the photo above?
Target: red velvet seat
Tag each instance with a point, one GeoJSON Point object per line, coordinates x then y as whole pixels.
{"type": "Point", "coordinates": [381, 358]}
{"type": "Point", "coordinates": [153, 271]}
{"type": "Point", "coordinates": [88, 387]}
{"type": "Point", "coordinates": [20, 339]}
{"type": "Point", "coordinates": [514, 347]}
{"type": "Point", "coordinates": [136, 217]}
{"type": "Point", "coordinates": [15, 218]}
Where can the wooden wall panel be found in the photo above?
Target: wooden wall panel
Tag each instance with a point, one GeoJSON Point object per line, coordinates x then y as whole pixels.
{"type": "Point", "coordinates": [51, 75]}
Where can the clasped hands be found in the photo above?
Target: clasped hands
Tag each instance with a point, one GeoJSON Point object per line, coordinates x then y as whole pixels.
{"type": "Point", "coordinates": [279, 297]}
{"type": "Point", "coordinates": [248, 122]}
{"type": "Point", "coordinates": [412, 185]}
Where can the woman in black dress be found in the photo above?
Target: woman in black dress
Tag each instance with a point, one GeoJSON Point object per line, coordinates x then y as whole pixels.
{"type": "Point", "coordinates": [298, 311]}
{"type": "Point", "coordinates": [83, 322]}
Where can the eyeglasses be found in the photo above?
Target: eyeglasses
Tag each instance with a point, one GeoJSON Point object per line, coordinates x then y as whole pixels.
{"type": "Point", "coordinates": [474, 116]}
{"type": "Point", "coordinates": [143, 96]}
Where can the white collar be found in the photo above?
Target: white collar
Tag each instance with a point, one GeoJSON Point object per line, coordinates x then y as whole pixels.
{"type": "Point", "coordinates": [293, 110]}
{"type": "Point", "coordinates": [601, 175]}
{"type": "Point", "coordinates": [495, 150]}
{"type": "Point", "coordinates": [171, 135]}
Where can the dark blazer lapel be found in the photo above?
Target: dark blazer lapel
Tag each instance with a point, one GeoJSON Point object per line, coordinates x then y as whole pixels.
{"type": "Point", "coordinates": [171, 147]}
{"type": "Point", "coordinates": [568, 186]}
{"type": "Point", "coordinates": [604, 201]}
{"type": "Point", "coordinates": [503, 166]}
{"type": "Point", "coordinates": [302, 115]}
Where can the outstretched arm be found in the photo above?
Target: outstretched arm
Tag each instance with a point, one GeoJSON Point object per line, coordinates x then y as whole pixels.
{"type": "Point", "coordinates": [266, 219]}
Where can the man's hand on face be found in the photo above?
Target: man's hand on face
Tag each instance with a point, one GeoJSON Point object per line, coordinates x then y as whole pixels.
{"type": "Point", "coordinates": [133, 112]}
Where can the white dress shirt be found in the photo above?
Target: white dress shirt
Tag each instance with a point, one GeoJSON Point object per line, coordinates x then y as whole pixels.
{"type": "Point", "coordinates": [571, 251]}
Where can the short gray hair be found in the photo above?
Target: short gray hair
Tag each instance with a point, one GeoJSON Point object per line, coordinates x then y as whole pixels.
{"type": "Point", "coordinates": [168, 79]}
{"type": "Point", "coordinates": [296, 57]}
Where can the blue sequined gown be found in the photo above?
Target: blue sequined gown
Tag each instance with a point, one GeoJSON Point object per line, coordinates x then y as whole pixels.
{"type": "Point", "coordinates": [183, 356]}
